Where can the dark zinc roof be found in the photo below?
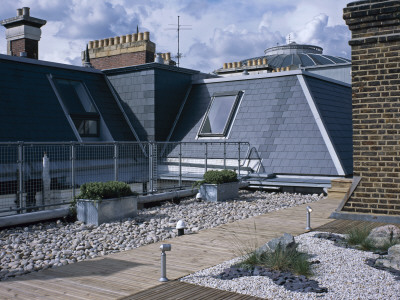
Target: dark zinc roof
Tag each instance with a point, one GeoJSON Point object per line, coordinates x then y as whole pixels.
{"type": "Point", "coordinates": [30, 110]}
{"type": "Point", "coordinates": [334, 104]}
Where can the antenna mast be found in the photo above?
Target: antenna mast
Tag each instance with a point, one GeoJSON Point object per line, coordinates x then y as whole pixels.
{"type": "Point", "coordinates": [178, 29]}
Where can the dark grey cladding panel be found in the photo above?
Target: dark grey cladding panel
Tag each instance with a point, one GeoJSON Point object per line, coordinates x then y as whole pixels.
{"type": "Point", "coordinates": [170, 91]}
{"type": "Point", "coordinates": [136, 91]}
{"type": "Point", "coordinates": [273, 116]}
{"type": "Point", "coordinates": [335, 106]}
{"type": "Point", "coordinates": [30, 110]}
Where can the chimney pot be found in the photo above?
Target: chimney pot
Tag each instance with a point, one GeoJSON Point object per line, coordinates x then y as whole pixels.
{"type": "Point", "coordinates": [25, 11]}
{"type": "Point", "coordinates": [128, 38]}
{"type": "Point", "coordinates": [259, 62]}
{"type": "Point", "coordinates": [116, 40]}
{"type": "Point", "coordinates": [140, 36]}
{"type": "Point", "coordinates": [123, 39]}
{"type": "Point", "coordinates": [91, 45]}
{"type": "Point", "coordinates": [249, 63]}
{"type": "Point", "coordinates": [111, 41]}
{"type": "Point", "coordinates": [225, 66]}
{"type": "Point", "coordinates": [254, 62]}
{"type": "Point", "coordinates": [239, 64]}
{"type": "Point", "coordinates": [134, 37]}
{"type": "Point", "coordinates": [146, 36]}
{"type": "Point", "coordinates": [265, 61]}
{"type": "Point", "coordinates": [229, 65]}
{"type": "Point", "coordinates": [101, 43]}
{"type": "Point", "coordinates": [96, 44]}
{"type": "Point", "coordinates": [19, 12]}
{"type": "Point", "coordinates": [168, 56]}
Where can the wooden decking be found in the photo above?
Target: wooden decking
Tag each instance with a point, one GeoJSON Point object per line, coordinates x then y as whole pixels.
{"type": "Point", "coordinates": [175, 290]}
{"type": "Point", "coordinates": [130, 272]}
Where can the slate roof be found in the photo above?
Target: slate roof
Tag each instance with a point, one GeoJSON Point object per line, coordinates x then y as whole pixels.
{"type": "Point", "coordinates": [275, 117]}
{"type": "Point", "coordinates": [30, 110]}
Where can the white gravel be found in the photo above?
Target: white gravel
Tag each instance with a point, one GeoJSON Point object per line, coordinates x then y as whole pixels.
{"type": "Point", "coordinates": [343, 271]}
{"type": "Point", "coordinates": [41, 246]}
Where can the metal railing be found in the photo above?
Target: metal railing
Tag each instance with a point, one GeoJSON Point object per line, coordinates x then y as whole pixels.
{"type": "Point", "coordinates": [37, 176]}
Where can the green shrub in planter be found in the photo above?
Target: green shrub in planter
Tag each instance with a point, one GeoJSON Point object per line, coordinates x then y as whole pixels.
{"type": "Point", "coordinates": [102, 202]}
{"type": "Point", "coordinates": [104, 190]}
{"type": "Point", "coordinates": [218, 177]}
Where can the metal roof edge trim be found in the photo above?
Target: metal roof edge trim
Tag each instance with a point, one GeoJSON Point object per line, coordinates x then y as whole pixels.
{"type": "Point", "coordinates": [48, 64]}
{"type": "Point", "coordinates": [327, 66]}
{"type": "Point", "coordinates": [249, 77]}
{"type": "Point", "coordinates": [321, 126]}
{"type": "Point", "coordinates": [148, 66]}
{"type": "Point", "coordinates": [310, 74]}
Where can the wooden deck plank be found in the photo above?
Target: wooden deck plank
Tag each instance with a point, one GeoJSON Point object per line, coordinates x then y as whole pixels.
{"type": "Point", "coordinates": [125, 273]}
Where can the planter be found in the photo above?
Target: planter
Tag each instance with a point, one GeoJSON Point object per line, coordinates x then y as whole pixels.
{"type": "Point", "coordinates": [97, 212]}
{"type": "Point", "coordinates": [219, 192]}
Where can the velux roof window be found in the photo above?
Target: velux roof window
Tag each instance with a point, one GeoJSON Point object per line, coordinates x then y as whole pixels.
{"type": "Point", "coordinates": [79, 106]}
{"type": "Point", "coordinates": [220, 113]}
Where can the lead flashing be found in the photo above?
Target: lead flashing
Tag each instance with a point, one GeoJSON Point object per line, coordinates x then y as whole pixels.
{"type": "Point", "coordinates": [19, 59]}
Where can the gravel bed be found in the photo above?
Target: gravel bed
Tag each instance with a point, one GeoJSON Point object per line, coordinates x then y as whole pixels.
{"type": "Point", "coordinates": [344, 272]}
{"type": "Point", "coordinates": [51, 244]}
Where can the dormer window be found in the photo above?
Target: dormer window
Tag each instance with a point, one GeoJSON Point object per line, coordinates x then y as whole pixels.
{"type": "Point", "coordinates": [220, 113]}
{"type": "Point", "coordinates": [79, 106]}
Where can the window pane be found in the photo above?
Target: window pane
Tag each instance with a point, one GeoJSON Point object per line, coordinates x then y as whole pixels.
{"type": "Point", "coordinates": [74, 96]}
{"type": "Point", "coordinates": [91, 127]}
{"type": "Point", "coordinates": [69, 97]}
{"type": "Point", "coordinates": [80, 126]}
{"type": "Point", "coordinates": [218, 115]}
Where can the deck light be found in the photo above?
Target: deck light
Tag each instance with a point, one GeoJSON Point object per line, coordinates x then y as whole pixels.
{"type": "Point", "coordinates": [309, 210]}
{"type": "Point", "coordinates": [198, 197]}
{"type": "Point", "coordinates": [163, 248]}
{"type": "Point", "coordinates": [181, 227]}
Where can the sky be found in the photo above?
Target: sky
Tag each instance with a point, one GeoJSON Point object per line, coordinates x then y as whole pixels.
{"type": "Point", "coordinates": [219, 30]}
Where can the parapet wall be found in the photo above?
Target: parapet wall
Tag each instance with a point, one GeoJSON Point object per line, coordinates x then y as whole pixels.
{"type": "Point", "coordinates": [375, 47]}
{"type": "Point", "coordinates": [121, 51]}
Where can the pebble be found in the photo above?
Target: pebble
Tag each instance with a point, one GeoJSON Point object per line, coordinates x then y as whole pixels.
{"type": "Point", "coordinates": [342, 273]}
{"type": "Point", "coordinates": [51, 244]}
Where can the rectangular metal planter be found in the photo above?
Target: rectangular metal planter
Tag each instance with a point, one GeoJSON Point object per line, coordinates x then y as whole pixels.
{"type": "Point", "coordinates": [219, 192]}
{"type": "Point", "coordinates": [108, 210]}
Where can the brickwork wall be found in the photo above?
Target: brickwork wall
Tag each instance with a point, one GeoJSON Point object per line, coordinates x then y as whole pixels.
{"type": "Point", "coordinates": [27, 45]}
{"type": "Point", "coordinates": [375, 46]}
{"type": "Point", "coordinates": [122, 60]}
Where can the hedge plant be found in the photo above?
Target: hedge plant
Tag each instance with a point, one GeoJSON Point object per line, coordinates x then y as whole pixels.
{"type": "Point", "coordinates": [104, 190]}
{"type": "Point", "coordinates": [218, 177]}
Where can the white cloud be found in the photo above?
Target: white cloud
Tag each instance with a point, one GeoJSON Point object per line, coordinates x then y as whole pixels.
{"type": "Point", "coordinates": [221, 31]}
{"type": "Point", "coordinates": [334, 39]}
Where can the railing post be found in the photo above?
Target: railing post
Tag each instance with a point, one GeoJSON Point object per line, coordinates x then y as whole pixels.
{"type": "Point", "coordinates": [115, 161]}
{"type": "Point", "coordinates": [239, 159]}
{"type": "Point", "coordinates": [224, 155]}
{"type": "Point", "coordinates": [205, 163]}
{"type": "Point", "coordinates": [180, 165]}
{"type": "Point", "coordinates": [150, 167]}
{"type": "Point", "coordinates": [21, 175]}
{"type": "Point", "coordinates": [73, 169]}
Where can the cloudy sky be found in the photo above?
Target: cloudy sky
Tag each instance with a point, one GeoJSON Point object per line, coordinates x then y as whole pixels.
{"type": "Point", "coordinates": [221, 30]}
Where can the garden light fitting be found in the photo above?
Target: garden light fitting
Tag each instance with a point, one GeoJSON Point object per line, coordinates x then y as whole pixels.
{"type": "Point", "coordinates": [309, 210]}
{"type": "Point", "coordinates": [163, 248]}
{"type": "Point", "coordinates": [180, 226]}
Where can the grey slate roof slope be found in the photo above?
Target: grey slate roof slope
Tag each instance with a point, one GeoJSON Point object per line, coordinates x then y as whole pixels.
{"type": "Point", "coordinates": [274, 116]}
{"type": "Point", "coordinates": [30, 110]}
{"type": "Point", "coordinates": [334, 104]}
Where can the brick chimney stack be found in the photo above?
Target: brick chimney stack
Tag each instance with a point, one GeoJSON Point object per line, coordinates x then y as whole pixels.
{"type": "Point", "coordinates": [375, 52]}
{"type": "Point", "coordinates": [23, 34]}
